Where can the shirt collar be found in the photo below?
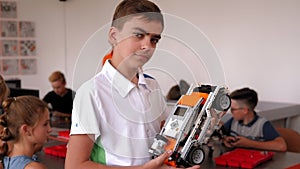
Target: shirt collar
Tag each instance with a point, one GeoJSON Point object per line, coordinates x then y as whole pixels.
{"type": "Point", "coordinates": [251, 122]}
{"type": "Point", "coordinates": [121, 83]}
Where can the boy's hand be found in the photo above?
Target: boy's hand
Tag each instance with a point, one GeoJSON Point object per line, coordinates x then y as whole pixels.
{"type": "Point", "coordinates": [241, 142]}
{"type": "Point", "coordinates": [229, 141]}
{"type": "Point", "coordinates": [158, 163]}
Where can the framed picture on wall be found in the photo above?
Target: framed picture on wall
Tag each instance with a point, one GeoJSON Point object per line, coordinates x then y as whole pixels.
{"type": "Point", "coordinates": [9, 28]}
{"type": "Point", "coordinates": [28, 66]}
{"type": "Point", "coordinates": [8, 9]}
{"type": "Point", "coordinates": [10, 67]}
{"type": "Point", "coordinates": [27, 29]}
{"type": "Point", "coordinates": [9, 47]}
{"type": "Point", "coordinates": [17, 43]}
{"type": "Point", "coordinates": [27, 48]}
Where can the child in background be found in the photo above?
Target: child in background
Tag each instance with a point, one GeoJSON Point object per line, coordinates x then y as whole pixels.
{"type": "Point", "coordinates": [246, 128]}
{"type": "Point", "coordinates": [61, 97]}
{"type": "Point", "coordinates": [24, 128]}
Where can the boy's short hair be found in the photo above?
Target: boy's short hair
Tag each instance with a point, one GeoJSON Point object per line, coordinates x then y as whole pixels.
{"type": "Point", "coordinates": [57, 76]}
{"type": "Point", "coordinates": [130, 8]}
{"type": "Point", "coordinates": [247, 96]}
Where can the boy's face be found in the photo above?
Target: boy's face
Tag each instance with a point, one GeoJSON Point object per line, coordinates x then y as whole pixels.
{"type": "Point", "coordinates": [238, 111]}
{"type": "Point", "coordinates": [59, 87]}
{"type": "Point", "coordinates": [135, 43]}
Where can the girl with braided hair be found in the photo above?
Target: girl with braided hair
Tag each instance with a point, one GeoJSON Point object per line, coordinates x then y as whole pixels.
{"type": "Point", "coordinates": [24, 128]}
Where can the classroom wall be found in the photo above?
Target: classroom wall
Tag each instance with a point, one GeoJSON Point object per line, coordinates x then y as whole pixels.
{"type": "Point", "coordinates": [241, 43]}
{"type": "Point", "coordinates": [50, 40]}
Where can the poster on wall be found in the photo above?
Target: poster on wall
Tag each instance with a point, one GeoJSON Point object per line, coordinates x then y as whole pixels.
{"type": "Point", "coordinates": [8, 9]}
{"type": "Point", "coordinates": [10, 66]}
{"type": "Point", "coordinates": [28, 66]}
{"type": "Point", "coordinates": [9, 29]}
{"type": "Point", "coordinates": [9, 47]}
{"type": "Point", "coordinates": [16, 42]}
{"type": "Point", "coordinates": [27, 29]}
{"type": "Point", "coordinates": [27, 48]}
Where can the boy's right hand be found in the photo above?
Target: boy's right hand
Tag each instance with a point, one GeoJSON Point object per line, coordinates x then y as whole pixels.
{"type": "Point", "coordinates": [158, 163]}
{"type": "Point", "coordinates": [228, 140]}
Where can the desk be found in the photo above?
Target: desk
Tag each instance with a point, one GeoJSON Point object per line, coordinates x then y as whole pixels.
{"type": "Point", "coordinates": [280, 160]}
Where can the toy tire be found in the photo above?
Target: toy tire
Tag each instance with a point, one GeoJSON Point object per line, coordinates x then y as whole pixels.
{"type": "Point", "coordinates": [222, 102]}
{"type": "Point", "coordinates": [196, 156]}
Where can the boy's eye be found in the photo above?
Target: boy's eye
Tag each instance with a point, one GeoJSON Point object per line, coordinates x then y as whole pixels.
{"type": "Point", "coordinates": [139, 35]}
{"type": "Point", "coordinates": [154, 40]}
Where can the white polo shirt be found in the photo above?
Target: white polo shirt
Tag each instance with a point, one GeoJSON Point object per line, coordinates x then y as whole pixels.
{"type": "Point", "coordinates": [123, 117]}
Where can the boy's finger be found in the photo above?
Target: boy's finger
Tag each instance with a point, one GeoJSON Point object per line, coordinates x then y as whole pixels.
{"type": "Point", "coordinates": [165, 156]}
{"type": "Point", "coordinates": [195, 167]}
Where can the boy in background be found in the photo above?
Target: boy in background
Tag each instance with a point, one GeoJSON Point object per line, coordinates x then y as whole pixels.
{"type": "Point", "coordinates": [246, 128]}
{"type": "Point", "coordinates": [60, 99]}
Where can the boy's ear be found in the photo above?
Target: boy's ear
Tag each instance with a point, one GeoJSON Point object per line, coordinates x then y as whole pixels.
{"type": "Point", "coordinates": [246, 110]}
{"type": "Point", "coordinates": [112, 36]}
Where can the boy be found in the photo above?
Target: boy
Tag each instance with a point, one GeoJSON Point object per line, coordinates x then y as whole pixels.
{"type": "Point", "coordinates": [60, 100]}
{"type": "Point", "coordinates": [246, 128]}
{"type": "Point", "coordinates": [118, 112]}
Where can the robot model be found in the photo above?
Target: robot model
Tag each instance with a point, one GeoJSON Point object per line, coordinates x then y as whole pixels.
{"type": "Point", "coordinates": [194, 118]}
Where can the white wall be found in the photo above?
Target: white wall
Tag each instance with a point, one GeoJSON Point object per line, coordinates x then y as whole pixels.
{"type": "Point", "coordinates": [257, 42]}
{"type": "Point", "coordinates": [48, 17]}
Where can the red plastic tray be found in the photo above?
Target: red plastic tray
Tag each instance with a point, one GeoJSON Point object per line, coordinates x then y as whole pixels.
{"type": "Point", "coordinates": [243, 158]}
{"type": "Point", "coordinates": [59, 151]}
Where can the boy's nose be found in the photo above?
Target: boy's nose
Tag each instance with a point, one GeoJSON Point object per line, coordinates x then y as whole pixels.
{"type": "Point", "coordinates": [146, 43]}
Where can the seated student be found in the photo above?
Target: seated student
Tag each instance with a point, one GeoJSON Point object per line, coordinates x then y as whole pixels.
{"type": "Point", "coordinates": [246, 128]}
{"type": "Point", "coordinates": [4, 92]}
{"type": "Point", "coordinates": [60, 99]}
{"type": "Point", "coordinates": [24, 129]}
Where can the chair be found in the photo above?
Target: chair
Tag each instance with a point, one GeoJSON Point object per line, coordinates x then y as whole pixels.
{"type": "Point", "coordinates": [291, 137]}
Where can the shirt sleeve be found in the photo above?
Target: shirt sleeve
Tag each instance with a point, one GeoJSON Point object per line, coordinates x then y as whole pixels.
{"type": "Point", "coordinates": [269, 132]}
{"type": "Point", "coordinates": [85, 113]}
